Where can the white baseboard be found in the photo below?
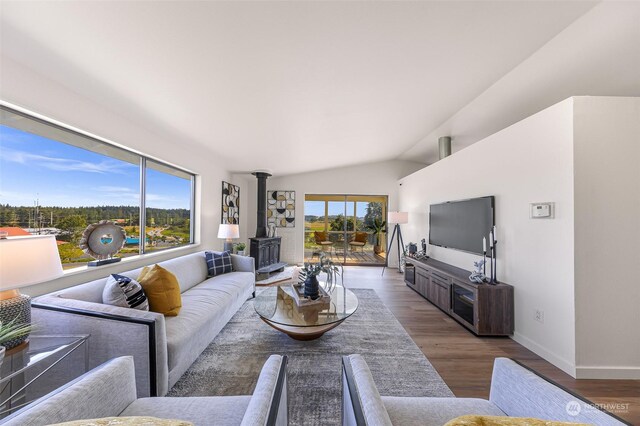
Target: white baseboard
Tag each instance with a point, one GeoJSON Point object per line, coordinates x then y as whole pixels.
{"type": "Point", "coordinates": [612, 373]}
{"type": "Point", "coordinates": [561, 363]}
{"type": "Point", "coordinates": [579, 372]}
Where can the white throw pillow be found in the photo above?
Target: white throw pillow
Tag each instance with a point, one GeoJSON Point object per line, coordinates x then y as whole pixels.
{"type": "Point", "coordinates": [125, 292]}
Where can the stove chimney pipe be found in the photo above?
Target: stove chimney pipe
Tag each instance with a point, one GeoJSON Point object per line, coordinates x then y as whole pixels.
{"type": "Point", "coordinates": [261, 228]}
{"type": "Point", "coordinates": [444, 143]}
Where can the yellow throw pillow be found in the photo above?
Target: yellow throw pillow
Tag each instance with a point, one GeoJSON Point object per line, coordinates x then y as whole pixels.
{"type": "Point", "coordinates": [162, 290]}
{"type": "Point", "coordinates": [475, 420]}
{"type": "Point", "coordinates": [126, 421]}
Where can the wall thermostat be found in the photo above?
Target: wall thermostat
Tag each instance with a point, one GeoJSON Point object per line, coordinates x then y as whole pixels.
{"type": "Point", "coordinates": [541, 210]}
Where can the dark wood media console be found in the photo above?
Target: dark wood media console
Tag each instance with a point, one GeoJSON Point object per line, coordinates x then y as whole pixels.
{"type": "Point", "coordinates": [485, 309]}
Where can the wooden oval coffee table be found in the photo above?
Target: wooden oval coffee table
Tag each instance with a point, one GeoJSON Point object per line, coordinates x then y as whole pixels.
{"type": "Point", "coordinates": [277, 307]}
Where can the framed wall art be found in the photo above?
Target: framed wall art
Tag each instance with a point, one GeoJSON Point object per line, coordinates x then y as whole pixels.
{"type": "Point", "coordinates": [281, 208]}
{"type": "Point", "coordinates": [230, 203]}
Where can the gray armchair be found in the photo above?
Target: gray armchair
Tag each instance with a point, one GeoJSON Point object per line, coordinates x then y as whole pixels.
{"type": "Point", "coordinates": [516, 391]}
{"type": "Point", "coordinates": [109, 390]}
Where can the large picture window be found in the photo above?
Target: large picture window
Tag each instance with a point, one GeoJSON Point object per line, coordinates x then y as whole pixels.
{"type": "Point", "coordinates": [57, 181]}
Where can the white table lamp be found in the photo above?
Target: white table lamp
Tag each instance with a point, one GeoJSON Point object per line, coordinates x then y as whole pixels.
{"type": "Point", "coordinates": [228, 232]}
{"type": "Point", "coordinates": [398, 217]}
{"type": "Point", "coordinates": [24, 261]}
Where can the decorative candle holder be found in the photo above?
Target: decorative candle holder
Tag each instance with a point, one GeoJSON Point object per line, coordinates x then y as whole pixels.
{"type": "Point", "coordinates": [494, 265]}
{"type": "Point", "coordinates": [484, 265]}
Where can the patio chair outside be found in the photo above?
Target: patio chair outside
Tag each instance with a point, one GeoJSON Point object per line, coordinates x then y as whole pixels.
{"type": "Point", "coordinates": [322, 239]}
{"type": "Point", "coordinates": [359, 241]}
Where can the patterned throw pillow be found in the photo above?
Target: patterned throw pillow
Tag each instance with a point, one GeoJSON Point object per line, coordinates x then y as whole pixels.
{"type": "Point", "coordinates": [218, 263]}
{"type": "Point", "coordinates": [125, 292]}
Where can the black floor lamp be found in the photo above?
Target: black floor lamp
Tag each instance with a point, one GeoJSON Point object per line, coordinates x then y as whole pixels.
{"type": "Point", "coordinates": [397, 218]}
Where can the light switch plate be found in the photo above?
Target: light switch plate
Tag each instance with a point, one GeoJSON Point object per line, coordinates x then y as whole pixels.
{"type": "Point", "coordinates": [541, 210]}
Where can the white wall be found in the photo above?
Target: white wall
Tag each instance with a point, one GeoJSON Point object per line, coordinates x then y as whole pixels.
{"type": "Point", "coordinates": [368, 179]}
{"type": "Point", "coordinates": [530, 161]}
{"type": "Point", "coordinates": [580, 267]}
{"type": "Point", "coordinates": [607, 236]}
{"type": "Point", "coordinates": [22, 87]}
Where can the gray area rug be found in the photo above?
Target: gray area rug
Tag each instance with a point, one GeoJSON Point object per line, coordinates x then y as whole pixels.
{"type": "Point", "coordinates": [232, 362]}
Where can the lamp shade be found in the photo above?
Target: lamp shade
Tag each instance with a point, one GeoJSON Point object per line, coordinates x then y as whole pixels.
{"type": "Point", "coordinates": [28, 260]}
{"type": "Point", "coordinates": [228, 231]}
{"type": "Point", "coordinates": [398, 217]}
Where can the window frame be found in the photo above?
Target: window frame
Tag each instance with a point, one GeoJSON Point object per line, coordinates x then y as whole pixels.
{"type": "Point", "coordinates": [142, 164]}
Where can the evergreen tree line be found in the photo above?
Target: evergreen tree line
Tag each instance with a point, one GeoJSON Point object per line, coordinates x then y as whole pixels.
{"type": "Point", "coordinates": [24, 216]}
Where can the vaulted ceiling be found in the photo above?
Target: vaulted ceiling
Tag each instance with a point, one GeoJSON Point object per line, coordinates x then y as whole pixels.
{"type": "Point", "coordinates": [290, 86]}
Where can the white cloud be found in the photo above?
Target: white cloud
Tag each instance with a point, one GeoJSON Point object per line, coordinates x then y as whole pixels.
{"type": "Point", "coordinates": [98, 196]}
{"type": "Point", "coordinates": [120, 193]}
{"type": "Point", "coordinates": [118, 189]}
{"type": "Point", "coordinates": [153, 200]}
{"type": "Point", "coordinates": [16, 198]}
{"type": "Point", "coordinates": [63, 164]}
{"type": "Point", "coordinates": [161, 201]}
{"type": "Point", "coordinates": [51, 199]}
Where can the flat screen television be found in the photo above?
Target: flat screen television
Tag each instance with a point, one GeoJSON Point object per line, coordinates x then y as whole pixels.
{"type": "Point", "coordinates": [461, 224]}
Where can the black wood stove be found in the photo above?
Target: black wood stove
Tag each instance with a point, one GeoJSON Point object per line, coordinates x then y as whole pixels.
{"type": "Point", "coordinates": [265, 250]}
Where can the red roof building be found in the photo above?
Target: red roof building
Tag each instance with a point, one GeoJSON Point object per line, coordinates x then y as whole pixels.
{"type": "Point", "coordinates": [15, 231]}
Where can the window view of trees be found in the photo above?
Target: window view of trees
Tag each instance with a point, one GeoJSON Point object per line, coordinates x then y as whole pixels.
{"type": "Point", "coordinates": [57, 182]}
{"type": "Point", "coordinates": [373, 211]}
{"type": "Point", "coordinates": [337, 223]}
{"type": "Point", "coordinates": [167, 228]}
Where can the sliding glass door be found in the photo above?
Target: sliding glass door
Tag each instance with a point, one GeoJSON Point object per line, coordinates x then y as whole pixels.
{"type": "Point", "coordinates": [346, 228]}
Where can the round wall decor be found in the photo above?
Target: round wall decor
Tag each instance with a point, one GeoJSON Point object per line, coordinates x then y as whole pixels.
{"type": "Point", "coordinates": [103, 240]}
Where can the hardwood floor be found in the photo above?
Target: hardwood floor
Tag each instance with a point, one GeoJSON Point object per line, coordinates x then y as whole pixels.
{"type": "Point", "coordinates": [465, 361]}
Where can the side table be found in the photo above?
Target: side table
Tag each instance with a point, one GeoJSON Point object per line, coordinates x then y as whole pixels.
{"type": "Point", "coordinates": [38, 366]}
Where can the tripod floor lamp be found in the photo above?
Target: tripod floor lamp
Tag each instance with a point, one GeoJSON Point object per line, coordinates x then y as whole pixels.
{"type": "Point", "coordinates": [397, 218]}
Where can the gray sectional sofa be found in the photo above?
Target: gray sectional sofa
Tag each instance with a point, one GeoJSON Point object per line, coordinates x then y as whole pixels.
{"type": "Point", "coordinates": [110, 391]}
{"type": "Point", "coordinates": [163, 348]}
{"type": "Point", "coordinates": [516, 391]}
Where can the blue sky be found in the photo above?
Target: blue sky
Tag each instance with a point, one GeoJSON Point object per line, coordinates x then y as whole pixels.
{"type": "Point", "coordinates": [33, 167]}
{"type": "Point", "coordinates": [316, 208]}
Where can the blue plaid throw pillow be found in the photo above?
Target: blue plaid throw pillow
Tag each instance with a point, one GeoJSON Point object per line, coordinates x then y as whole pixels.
{"type": "Point", "coordinates": [218, 263]}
